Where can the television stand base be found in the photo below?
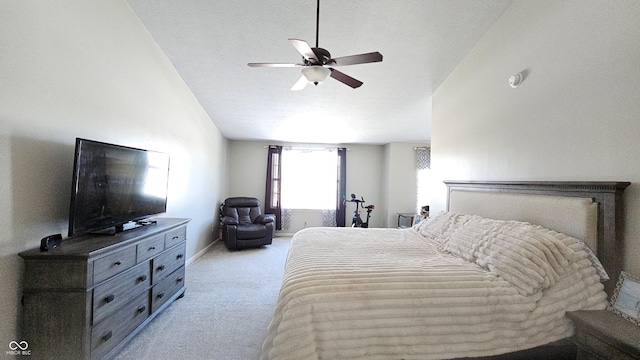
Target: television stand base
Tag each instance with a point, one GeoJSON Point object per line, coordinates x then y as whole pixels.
{"type": "Point", "coordinates": [119, 228]}
{"type": "Point", "coordinates": [127, 226]}
{"type": "Point", "coordinates": [146, 222]}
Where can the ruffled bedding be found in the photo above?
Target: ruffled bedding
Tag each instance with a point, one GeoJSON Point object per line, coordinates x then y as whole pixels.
{"type": "Point", "coordinates": [453, 286]}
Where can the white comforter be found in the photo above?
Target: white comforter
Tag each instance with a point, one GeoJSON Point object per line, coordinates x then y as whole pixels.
{"type": "Point", "coordinates": [446, 291]}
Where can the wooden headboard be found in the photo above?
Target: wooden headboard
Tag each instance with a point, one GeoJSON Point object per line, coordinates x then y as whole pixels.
{"type": "Point", "coordinates": [606, 195]}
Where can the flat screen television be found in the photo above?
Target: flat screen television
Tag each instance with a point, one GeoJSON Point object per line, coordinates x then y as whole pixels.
{"type": "Point", "coordinates": [115, 186]}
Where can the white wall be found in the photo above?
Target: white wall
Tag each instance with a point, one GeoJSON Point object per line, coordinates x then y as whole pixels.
{"type": "Point", "coordinates": [575, 117]}
{"type": "Point", "coordinates": [247, 169]}
{"type": "Point", "coordinates": [89, 69]}
{"type": "Point", "coordinates": [365, 173]}
{"type": "Point", "coordinates": [400, 180]}
{"type": "Point", "coordinates": [373, 172]}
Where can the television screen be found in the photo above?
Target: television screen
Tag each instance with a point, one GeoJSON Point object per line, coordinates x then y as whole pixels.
{"type": "Point", "coordinates": [114, 185]}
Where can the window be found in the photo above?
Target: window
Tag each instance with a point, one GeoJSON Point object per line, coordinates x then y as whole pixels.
{"type": "Point", "coordinates": [309, 179]}
{"type": "Point", "coordinates": [275, 174]}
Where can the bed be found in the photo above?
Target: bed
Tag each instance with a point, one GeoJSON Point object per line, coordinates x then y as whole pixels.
{"type": "Point", "coordinates": [494, 275]}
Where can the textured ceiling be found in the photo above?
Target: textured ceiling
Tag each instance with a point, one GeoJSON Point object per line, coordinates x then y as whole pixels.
{"type": "Point", "coordinates": [211, 42]}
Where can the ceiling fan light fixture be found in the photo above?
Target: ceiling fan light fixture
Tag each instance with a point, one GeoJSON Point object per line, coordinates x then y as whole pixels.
{"type": "Point", "coordinates": [316, 73]}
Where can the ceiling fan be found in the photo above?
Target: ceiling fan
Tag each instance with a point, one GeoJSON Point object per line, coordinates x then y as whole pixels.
{"type": "Point", "coordinates": [317, 63]}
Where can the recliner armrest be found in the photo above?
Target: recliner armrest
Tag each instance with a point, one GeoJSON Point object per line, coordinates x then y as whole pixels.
{"type": "Point", "coordinates": [228, 220]}
{"type": "Point", "coordinates": [265, 219]}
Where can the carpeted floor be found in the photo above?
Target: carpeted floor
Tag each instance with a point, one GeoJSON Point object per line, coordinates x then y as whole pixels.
{"type": "Point", "coordinates": [225, 312]}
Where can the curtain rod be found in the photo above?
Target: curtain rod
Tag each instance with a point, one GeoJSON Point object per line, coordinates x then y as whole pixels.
{"type": "Point", "coordinates": [289, 147]}
{"type": "Point", "coordinates": [421, 148]}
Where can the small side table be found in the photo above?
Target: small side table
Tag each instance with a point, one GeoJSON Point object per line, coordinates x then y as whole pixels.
{"type": "Point", "coordinates": [403, 217]}
{"type": "Point", "coordinates": [601, 334]}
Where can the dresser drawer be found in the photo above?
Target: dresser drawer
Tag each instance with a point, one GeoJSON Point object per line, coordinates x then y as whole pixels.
{"type": "Point", "coordinates": [166, 288]}
{"type": "Point", "coordinates": [582, 354]}
{"type": "Point", "coordinates": [110, 332]}
{"type": "Point", "coordinates": [113, 264]}
{"type": "Point", "coordinates": [175, 236]}
{"type": "Point", "coordinates": [595, 348]}
{"type": "Point", "coordinates": [168, 262]}
{"type": "Point", "coordinates": [118, 291]}
{"type": "Point", "coordinates": [150, 248]}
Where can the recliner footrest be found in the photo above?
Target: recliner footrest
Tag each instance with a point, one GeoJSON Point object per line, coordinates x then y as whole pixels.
{"type": "Point", "coordinates": [250, 231]}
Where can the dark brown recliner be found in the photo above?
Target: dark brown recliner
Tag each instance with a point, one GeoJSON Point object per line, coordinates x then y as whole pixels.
{"type": "Point", "coordinates": [243, 225]}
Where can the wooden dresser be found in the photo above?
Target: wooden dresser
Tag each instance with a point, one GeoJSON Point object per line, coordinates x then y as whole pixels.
{"type": "Point", "coordinates": [601, 334]}
{"type": "Point", "coordinates": [89, 297]}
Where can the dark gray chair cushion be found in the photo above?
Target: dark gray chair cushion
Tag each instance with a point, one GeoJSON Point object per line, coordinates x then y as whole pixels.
{"type": "Point", "coordinates": [244, 225]}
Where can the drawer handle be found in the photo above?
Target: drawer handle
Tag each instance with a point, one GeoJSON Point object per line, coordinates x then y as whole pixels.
{"type": "Point", "coordinates": [109, 298]}
{"type": "Point", "coordinates": [179, 279]}
{"type": "Point", "coordinates": [175, 237]}
{"type": "Point", "coordinates": [152, 248]}
{"type": "Point", "coordinates": [142, 278]}
{"type": "Point", "coordinates": [107, 336]}
{"type": "Point", "coordinates": [161, 267]}
{"type": "Point", "coordinates": [160, 295]}
{"type": "Point", "coordinates": [141, 309]}
{"type": "Point", "coordinates": [180, 256]}
{"type": "Point", "coordinates": [117, 263]}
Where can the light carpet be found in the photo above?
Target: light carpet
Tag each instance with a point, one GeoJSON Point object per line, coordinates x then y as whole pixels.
{"type": "Point", "coordinates": [226, 309]}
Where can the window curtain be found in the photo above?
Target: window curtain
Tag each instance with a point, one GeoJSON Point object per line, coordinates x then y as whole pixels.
{"type": "Point", "coordinates": [341, 211]}
{"type": "Point", "coordinates": [286, 219]}
{"type": "Point", "coordinates": [329, 218]}
{"type": "Point", "coordinates": [336, 217]}
{"type": "Point", "coordinates": [423, 164]}
{"type": "Point", "coordinates": [273, 186]}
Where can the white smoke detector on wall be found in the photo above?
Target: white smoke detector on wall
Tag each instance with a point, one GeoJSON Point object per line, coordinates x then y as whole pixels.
{"type": "Point", "coordinates": [515, 80]}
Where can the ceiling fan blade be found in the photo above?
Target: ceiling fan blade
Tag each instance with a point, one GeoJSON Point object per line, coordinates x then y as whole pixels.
{"type": "Point", "coordinates": [357, 59]}
{"type": "Point", "coordinates": [345, 79]}
{"type": "Point", "coordinates": [304, 49]}
{"type": "Point", "coordinates": [300, 84]}
{"type": "Point", "coordinates": [273, 65]}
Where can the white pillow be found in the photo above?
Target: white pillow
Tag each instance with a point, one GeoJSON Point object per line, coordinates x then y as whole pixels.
{"type": "Point", "coordinates": [440, 227]}
{"type": "Point", "coordinates": [528, 256]}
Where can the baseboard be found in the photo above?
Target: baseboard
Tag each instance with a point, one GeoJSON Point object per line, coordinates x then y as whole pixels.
{"type": "Point", "coordinates": [283, 234]}
{"type": "Point", "coordinates": [200, 253]}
